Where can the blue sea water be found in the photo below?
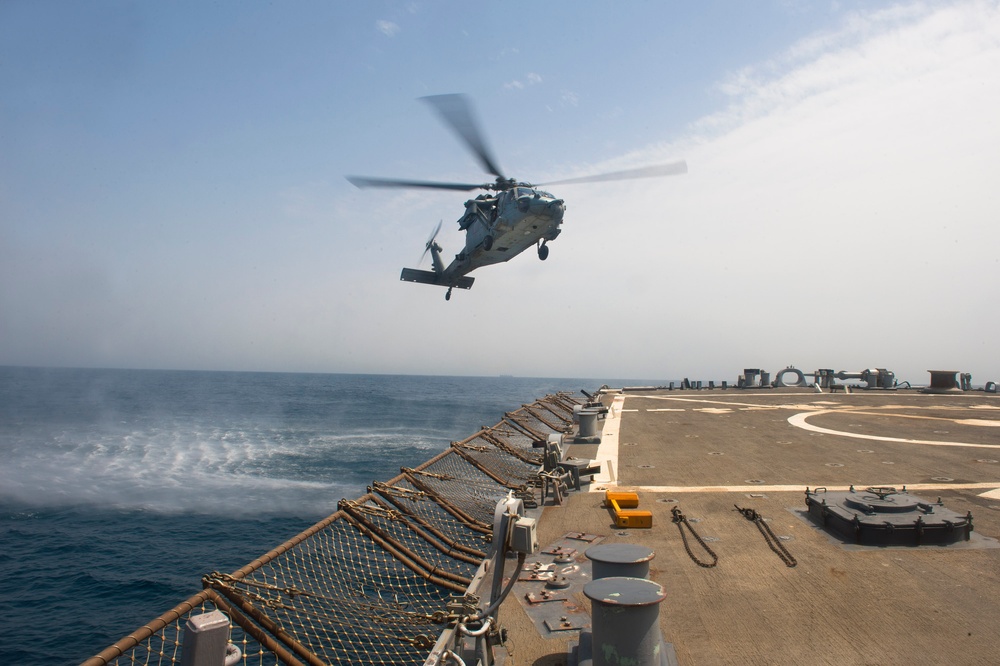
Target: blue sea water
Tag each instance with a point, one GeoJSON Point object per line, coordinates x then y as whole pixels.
{"type": "Point", "coordinates": [119, 489]}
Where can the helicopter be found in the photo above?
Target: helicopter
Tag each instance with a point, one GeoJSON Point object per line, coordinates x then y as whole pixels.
{"type": "Point", "coordinates": [505, 221]}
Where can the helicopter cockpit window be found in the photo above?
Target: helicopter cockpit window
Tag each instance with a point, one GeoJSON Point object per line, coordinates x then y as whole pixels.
{"type": "Point", "coordinates": [523, 192]}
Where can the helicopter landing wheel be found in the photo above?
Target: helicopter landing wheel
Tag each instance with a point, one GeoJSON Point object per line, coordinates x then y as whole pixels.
{"type": "Point", "coordinates": [447, 295]}
{"type": "Point", "coordinates": [488, 243]}
{"type": "Point", "coordinates": [543, 251]}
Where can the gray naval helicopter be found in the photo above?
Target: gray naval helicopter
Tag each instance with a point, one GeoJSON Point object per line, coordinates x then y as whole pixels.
{"type": "Point", "coordinates": [506, 221]}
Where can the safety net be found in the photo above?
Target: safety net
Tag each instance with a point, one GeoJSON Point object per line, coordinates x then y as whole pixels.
{"type": "Point", "coordinates": [376, 581]}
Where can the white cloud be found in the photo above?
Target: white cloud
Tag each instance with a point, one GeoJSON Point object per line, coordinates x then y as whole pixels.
{"type": "Point", "coordinates": [569, 98]}
{"type": "Point", "coordinates": [387, 28]}
{"type": "Point", "coordinates": [531, 78]}
{"type": "Point", "coordinates": [842, 211]}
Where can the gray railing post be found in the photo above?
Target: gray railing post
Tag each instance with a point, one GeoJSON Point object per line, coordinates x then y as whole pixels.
{"type": "Point", "coordinates": [205, 639]}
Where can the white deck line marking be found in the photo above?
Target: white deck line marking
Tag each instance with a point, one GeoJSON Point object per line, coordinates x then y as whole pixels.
{"type": "Point", "coordinates": [668, 409]}
{"type": "Point", "coordinates": [785, 488]}
{"type": "Point", "coordinates": [972, 422]}
{"type": "Point", "coordinates": [752, 393]}
{"type": "Point", "coordinates": [810, 394]}
{"type": "Point", "coordinates": [731, 403]}
{"type": "Point", "coordinates": [799, 421]}
{"type": "Point", "coordinates": [607, 450]}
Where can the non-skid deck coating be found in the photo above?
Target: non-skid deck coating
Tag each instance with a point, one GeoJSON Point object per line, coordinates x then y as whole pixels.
{"type": "Point", "coordinates": [705, 451]}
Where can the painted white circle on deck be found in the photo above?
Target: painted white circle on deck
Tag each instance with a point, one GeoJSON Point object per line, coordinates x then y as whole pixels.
{"type": "Point", "coordinates": [800, 421]}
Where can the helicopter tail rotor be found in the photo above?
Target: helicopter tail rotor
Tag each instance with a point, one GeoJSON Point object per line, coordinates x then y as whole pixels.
{"type": "Point", "coordinates": [430, 241]}
{"type": "Point", "coordinates": [435, 250]}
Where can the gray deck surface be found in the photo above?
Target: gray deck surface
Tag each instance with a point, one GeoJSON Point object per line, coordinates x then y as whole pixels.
{"type": "Point", "coordinates": [705, 451]}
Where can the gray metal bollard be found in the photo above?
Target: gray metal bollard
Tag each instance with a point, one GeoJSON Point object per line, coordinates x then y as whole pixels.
{"type": "Point", "coordinates": [588, 422]}
{"type": "Point", "coordinates": [943, 381]}
{"type": "Point", "coordinates": [626, 622]}
{"type": "Point", "coordinates": [205, 639]}
{"type": "Point", "coordinates": [620, 559]}
{"type": "Point", "coordinates": [588, 427]}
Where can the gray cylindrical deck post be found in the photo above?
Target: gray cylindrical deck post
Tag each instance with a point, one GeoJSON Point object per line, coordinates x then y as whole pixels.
{"type": "Point", "coordinates": [588, 422]}
{"type": "Point", "coordinates": [620, 559]}
{"type": "Point", "coordinates": [626, 621]}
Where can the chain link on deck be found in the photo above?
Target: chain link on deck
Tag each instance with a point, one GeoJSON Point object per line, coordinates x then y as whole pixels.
{"type": "Point", "coordinates": [769, 536]}
{"type": "Point", "coordinates": [681, 521]}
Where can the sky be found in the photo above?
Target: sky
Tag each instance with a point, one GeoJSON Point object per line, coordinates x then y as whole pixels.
{"type": "Point", "coordinates": [172, 190]}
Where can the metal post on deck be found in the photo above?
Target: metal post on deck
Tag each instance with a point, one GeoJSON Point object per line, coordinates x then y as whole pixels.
{"type": "Point", "coordinates": [620, 559]}
{"type": "Point", "coordinates": [588, 427]}
{"type": "Point", "coordinates": [943, 381]}
{"type": "Point", "coordinates": [626, 623]}
{"type": "Point", "coordinates": [206, 641]}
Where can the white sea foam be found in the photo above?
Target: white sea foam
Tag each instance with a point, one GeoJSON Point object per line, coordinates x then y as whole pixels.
{"type": "Point", "coordinates": [209, 470]}
{"type": "Point", "coordinates": [227, 442]}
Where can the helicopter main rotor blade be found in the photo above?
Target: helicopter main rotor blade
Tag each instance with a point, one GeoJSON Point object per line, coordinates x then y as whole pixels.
{"type": "Point", "coordinates": [364, 181]}
{"type": "Point", "coordinates": [672, 169]}
{"type": "Point", "coordinates": [456, 111]}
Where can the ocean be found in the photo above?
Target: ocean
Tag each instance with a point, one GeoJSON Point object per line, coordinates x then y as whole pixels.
{"type": "Point", "coordinates": [119, 489]}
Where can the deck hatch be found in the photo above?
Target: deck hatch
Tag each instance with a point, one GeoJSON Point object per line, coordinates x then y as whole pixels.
{"type": "Point", "coordinates": [885, 516]}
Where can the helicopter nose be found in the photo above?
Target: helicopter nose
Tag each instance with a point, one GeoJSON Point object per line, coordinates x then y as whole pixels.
{"type": "Point", "coordinates": [556, 208]}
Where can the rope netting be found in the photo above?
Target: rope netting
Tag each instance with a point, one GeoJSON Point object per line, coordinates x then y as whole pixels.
{"type": "Point", "coordinates": [371, 583]}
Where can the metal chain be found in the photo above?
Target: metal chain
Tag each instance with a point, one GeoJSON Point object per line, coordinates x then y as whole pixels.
{"type": "Point", "coordinates": [396, 491]}
{"type": "Point", "coordinates": [374, 510]}
{"type": "Point", "coordinates": [471, 447]}
{"type": "Point", "coordinates": [432, 475]}
{"type": "Point", "coordinates": [230, 581]}
{"type": "Point", "coordinates": [769, 536]}
{"type": "Point", "coordinates": [681, 521]}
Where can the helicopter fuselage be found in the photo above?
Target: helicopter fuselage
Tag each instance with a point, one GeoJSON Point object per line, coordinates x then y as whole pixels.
{"type": "Point", "coordinates": [498, 228]}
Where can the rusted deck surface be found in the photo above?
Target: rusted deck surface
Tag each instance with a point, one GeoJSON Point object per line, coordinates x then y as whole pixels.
{"type": "Point", "coordinates": [706, 451]}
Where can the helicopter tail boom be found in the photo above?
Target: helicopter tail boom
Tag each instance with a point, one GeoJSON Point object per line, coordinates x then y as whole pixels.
{"type": "Point", "coordinates": [430, 277]}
